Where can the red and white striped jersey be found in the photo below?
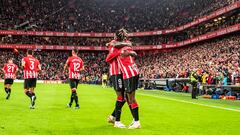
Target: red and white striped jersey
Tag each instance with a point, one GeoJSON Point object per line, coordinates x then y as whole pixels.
{"type": "Point", "coordinates": [10, 70]}
{"type": "Point", "coordinates": [127, 64]}
{"type": "Point", "coordinates": [112, 60]}
{"type": "Point", "coordinates": [75, 65]}
{"type": "Point", "coordinates": [30, 70]}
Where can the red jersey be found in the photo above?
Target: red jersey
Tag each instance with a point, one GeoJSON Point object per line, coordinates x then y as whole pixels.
{"type": "Point", "coordinates": [112, 60]}
{"type": "Point", "coordinates": [30, 70]}
{"type": "Point", "coordinates": [127, 64]}
{"type": "Point", "coordinates": [10, 70]}
{"type": "Point", "coordinates": [75, 65]}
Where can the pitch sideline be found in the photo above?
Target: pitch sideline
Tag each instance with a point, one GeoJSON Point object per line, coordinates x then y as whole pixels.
{"type": "Point", "coordinates": [188, 102]}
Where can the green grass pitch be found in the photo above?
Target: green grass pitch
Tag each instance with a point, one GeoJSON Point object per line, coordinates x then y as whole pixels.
{"type": "Point", "coordinates": [161, 113]}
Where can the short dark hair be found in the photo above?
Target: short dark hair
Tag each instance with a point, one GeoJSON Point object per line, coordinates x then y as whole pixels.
{"type": "Point", "coordinates": [75, 50]}
{"type": "Point", "coordinates": [30, 52]}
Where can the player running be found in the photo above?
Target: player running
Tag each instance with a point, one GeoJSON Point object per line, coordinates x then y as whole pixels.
{"type": "Point", "coordinates": [74, 65]}
{"type": "Point", "coordinates": [116, 75]}
{"type": "Point", "coordinates": [31, 67]}
{"type": "Point", "coordinates": [10, 70]}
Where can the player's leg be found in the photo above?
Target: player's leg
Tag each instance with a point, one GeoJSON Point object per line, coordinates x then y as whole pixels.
{"type": "Point", "coordinates": [8, 88]}
{"type": "Point", "coordinates": [32, 86]}
{"type": "Point", "coordinates": [134, 110]}
{"type": "Point", "coordinates": [26, 88]}
{"type": "Point", "coordinates": [73, 85]}
{"type": "Point", "coordinates": [76, 96]}
{"type": "Point", "coordinates": [33, 97]}
{"type": "Point", "coordinates": [103, 83]}
{"type": "Point", "coordinates": [119, 102]}
{"type": "Point", "coordinates": [5, 86]}
{"type": "Point", "coordinates": [111, 118]}
{"type": "Point", "coordinates": [114, 80]}
{"type": "Point", "coordinates": [131, 90]}
{"type": "Point", "coordinates": [118, 109]}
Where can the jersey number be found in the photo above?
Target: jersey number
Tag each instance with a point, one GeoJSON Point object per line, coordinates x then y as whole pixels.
{"type": "Point", "coordinates": [32, 65]}
{"type": "Point", "coordinates": [76, 67]}
{"type": "Point", "coordinates": [10, 69]}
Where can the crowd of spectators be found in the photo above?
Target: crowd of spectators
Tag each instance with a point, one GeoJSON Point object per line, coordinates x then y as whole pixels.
{"type": "Point", "coordinates": [103, 15]}
{"type": "Point", "coordinates": [216, 59]}
{"type": "Point", "coordinates": [209, 26]}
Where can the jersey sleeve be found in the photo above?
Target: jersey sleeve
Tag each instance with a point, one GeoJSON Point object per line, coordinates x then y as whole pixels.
{"type": "Point", "coordinates": [38, 63]}
{"type": "Point", "coordinates": [16, 67]}
{"type": "Point", "coordinates": [113, 53]}
{"type": "Point", "coordinates": [68, 61]}
{"type": "Point", "coordinates": [24, 60]}
{"type": "Point", "coordinates": [4, 67]}
{"type": "Point", "coordinates": [82, 64]}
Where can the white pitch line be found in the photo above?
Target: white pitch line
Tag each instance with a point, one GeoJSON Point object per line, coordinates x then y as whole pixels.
{"type": "Point", "coordinates": [188, 102]}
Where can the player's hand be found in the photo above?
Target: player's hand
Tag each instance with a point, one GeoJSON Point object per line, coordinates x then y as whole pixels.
{"type": "Point", "coordinates": [133, 53]}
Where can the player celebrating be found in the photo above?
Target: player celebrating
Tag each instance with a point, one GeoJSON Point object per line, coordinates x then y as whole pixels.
{"type": "Point", "coordinates": [116, 75]}
{"type": "Point", "coordinates": [10, 69]}
{"type": "Point", "coordinates": [74, 65]}
{"type": "Point", "coordinates": [130, 76]}
{"type": "Point", "coordinates": [31, 67]}
{"type": "Point", "coordinates": [130, 81]}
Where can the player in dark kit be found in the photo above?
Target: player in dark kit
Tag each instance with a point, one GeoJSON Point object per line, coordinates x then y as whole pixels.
{"type": "Point", "coordinates": [117, 75]}
{"type": "Point", "coordinates": [74, 65]}
{"type": "Point", "coordinates": [10, 69]}
{"type": "Point", "coordinates": [31, 67]}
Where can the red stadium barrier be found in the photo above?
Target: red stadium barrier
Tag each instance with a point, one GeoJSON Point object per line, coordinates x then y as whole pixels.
{"type": "Point", "coordinates": [206, 36]}
{"type": "Point", "coordinates": [214, 14]}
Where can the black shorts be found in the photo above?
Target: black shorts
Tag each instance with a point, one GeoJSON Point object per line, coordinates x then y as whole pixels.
{"type": "Point", "coordinates": [117, 81]}
{"type": "Point", "coordinates": [73, 83]}
{"type": "Point", "coordinates": [30, 83]}
{"type": "Point", "coordinates": [104, 81]}
{"type": "Point", "coordinates": [131, 84]}
{"type": "Point", "coordinates": [8, 81]}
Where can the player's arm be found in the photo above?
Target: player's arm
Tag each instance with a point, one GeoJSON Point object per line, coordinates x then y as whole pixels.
{"type": "Point", "coordinates": [113, 54]}
{"type": "Point", "coordinates": [126, 53]}
{"type": "Point", "coordinates": [82, 68]}
{"type": "Point", "coordinates": [16, 71]}
{"type": "Point", "coordinates": [3, 69]}
{"type": "Point", "coordinates": [66, 66]}
{"type": "Point", "coordinates": [39, 67]}
{"type": "Point", "coordinates": [23, 63]}
{"type": "Point", "coordinates": [121, 44]}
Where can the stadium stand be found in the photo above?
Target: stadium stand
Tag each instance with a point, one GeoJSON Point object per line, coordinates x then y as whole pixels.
{"type": "Point", "coordinates": [103, 15]}
{"type": "Point", "coordinates": [212, 57]}
{"type": "Point", "coordinates": [209, 26]}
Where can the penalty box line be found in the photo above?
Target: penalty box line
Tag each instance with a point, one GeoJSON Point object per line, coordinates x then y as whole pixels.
{"type": "Point", "coordinates": [188, 102]}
